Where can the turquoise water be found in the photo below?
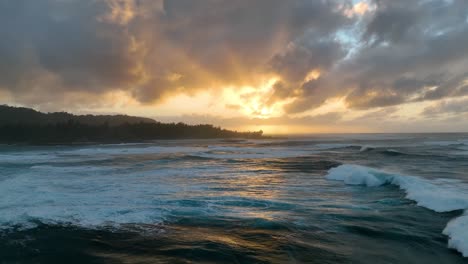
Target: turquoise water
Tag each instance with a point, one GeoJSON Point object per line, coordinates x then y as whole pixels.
{"type": "Point", "coordinates": [324, 199]}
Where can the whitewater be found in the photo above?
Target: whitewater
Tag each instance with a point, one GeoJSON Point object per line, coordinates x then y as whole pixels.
{"type": "Point", "coordinates": [372, 198]}
{"type": "Point", "coordinates": [440, 195]}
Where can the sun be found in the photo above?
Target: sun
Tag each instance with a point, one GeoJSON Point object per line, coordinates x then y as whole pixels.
{"type": "Point", "coordinates": [254, 100]}
{"type": "Point", "coordinates": [257, 110]}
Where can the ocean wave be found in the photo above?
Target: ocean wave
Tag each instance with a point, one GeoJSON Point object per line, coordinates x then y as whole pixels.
{"type": "Point", "coordinates": [327, 146]}
{"type": "Point", "coordinates": [227, 152]}
{"type": "Point", "coordinates": [393, 152]}
{"type": "Point", "coordinates": [87, 196]}
{"type": "Point", "coordinates": [286, 143]}
{"type": "Point", "coordinates": [24, 158]}
{"type": "Point", "coordinates": [201, 152]}
{"type": "Point", "coordinates": [132, 150]}
{"type": "Point", "coordinates": [447, 143]}
{"type": "Point", "coordinates": [366, 148]}
{"type": "Point", "coordinates": [309, 164]}
{"type": "Point", "coordinates": [385, 151]}
{"type": "Point", "coordinates": [113, 197]}
{"type": "Point", "coordinates": [86, 202]}
{"type": "Point", "coordinates": [439, 195]}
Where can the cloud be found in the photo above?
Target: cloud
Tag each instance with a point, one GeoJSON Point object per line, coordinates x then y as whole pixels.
{"type": "Point", "coordinates": [400, 52]}
{"type": "Point", "coordinates": [373, 53]}
{"type": "Point", "coordinates": [451, 107]}
{"type": "Point", "coordinates": [96, 46]}
{"type": "Point", "coordinates": [58, 46]}
{"type": "Point", "coordinates": [409, 54]}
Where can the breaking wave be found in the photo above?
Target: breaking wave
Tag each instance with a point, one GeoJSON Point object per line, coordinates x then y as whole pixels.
{"type": "Point", "coordinates": [439, 195]}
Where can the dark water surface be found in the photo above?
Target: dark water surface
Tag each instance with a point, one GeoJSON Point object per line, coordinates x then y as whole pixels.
{"type": "Point", "coordinates": [324, 199]}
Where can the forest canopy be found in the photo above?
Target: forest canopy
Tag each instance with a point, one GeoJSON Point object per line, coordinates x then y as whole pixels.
{"type": "Point", "coordinates": [24, 125]}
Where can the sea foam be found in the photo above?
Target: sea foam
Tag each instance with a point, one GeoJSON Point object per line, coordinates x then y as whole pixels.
{"type": "Point", "coordinates": [440, 195]}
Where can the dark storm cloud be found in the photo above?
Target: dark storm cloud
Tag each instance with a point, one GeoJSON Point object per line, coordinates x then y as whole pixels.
{"type": "Point", "coordinates": [62, 39]}
{"type": "Point", "coordinates": [399, 51]}
{"type": "Point", "coordinates": [302, 57]}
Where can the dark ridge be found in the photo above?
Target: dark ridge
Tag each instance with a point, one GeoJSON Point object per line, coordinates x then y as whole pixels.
{"type": "Point", "coordinates": [24, 125]}
{"type": "Point", "coordinates": [20, 115]}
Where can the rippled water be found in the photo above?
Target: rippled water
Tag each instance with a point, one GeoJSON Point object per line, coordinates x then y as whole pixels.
{"type": "Point", "coordinates": [323, 199]}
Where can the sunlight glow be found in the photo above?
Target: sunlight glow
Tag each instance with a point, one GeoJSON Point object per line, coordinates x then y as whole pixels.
{"type": "Point", "coordinates": [312, 75]}
{"type": "Point", "coordinates": [253, 100]}
{"type": "Point", "coordinates": [331, 105]}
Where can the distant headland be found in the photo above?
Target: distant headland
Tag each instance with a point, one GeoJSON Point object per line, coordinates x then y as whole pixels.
{"type": "Point", "coordinates": [28, 126]}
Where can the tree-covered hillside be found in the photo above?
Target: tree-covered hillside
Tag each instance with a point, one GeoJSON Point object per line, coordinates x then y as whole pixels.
{"type": "Point", "coordinates": [24, 125]}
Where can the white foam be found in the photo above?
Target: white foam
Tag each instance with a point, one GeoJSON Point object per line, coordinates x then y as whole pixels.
{"type": "Point", "coordinates": [457, 231]}
{"type": "Point", "coordinates": [366, 148]}
{"type": "Point", "coordinates": [440, 195]}
{"type": "Point", "coordinates": [355, 175]}
{"type": "Point", "coordinates": [51, 195]}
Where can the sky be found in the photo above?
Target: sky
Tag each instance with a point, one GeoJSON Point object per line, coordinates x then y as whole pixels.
{"type": "Point", "coordinates": [296, 66]}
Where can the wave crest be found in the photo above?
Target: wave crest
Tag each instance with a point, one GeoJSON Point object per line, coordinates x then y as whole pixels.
{"type": "Point", "coordinates": [439, 195]}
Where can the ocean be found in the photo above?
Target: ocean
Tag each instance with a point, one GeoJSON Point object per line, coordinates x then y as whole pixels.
{"type": "Point", "coordinates": [367, 198]}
